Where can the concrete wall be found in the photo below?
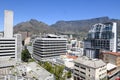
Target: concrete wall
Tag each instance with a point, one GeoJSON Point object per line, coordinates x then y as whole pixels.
{"type": "Point", "coordinates": [8, 24]}
{"type": "Point", "coordinates": [109, 58]}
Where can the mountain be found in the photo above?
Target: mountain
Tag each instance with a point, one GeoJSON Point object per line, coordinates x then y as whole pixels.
{"type": "Point", "coordinates": [79, 28]}
{"type": "Point", "coordinates": [33, 27]}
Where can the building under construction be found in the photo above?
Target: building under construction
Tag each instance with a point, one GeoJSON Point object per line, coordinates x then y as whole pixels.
{"type": "Point", "coordinates": [101, 36]}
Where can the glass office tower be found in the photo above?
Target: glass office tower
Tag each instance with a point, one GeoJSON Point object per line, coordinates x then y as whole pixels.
{"type": "Point", "coordinates": [101, 36]}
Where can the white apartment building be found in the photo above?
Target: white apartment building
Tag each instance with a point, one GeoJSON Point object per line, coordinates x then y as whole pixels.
{"type": "Point", "coordinates": [45, 48]}
{"type": "Point", "coordinates": [89, 69]}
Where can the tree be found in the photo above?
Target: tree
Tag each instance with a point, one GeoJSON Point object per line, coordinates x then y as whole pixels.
{"type": "Point", "coordinates": [57, 70]}
{"type": "Point", "coordinates": [48, 67]}
{"type": "Point", "coordinates": [68, 74]}
{"type": "Point", "coordinates": [25, 55]}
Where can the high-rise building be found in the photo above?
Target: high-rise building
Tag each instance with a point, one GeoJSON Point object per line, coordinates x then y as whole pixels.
{"type": "Point", "coordinates": [8, 24]}
{"type": "Point", "coordinates": [10, 46]}
{"type": "Point", "coordinates": [8, 42]}
{"type": "Point", "coordinates": [101, 36]}
{"type": "Point", "coordinates": [50, 47]}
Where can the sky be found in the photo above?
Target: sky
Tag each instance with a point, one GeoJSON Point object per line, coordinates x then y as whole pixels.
{"type": "Point", "coordinates": [51, 11]}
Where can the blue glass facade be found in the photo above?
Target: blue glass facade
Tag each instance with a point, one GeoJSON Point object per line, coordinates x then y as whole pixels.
{"type": "Point", "coordinates": [99, 38]}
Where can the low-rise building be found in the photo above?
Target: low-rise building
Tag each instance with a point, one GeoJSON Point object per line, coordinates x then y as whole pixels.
{"type": "Point", "coordinates": [25, 71]}
{"type": "Point", "coordinates": [89, 69]}
{"type": "Point", "coordinates": [27, 41]}
{"type": "Point", "coordinates": [111, 57]}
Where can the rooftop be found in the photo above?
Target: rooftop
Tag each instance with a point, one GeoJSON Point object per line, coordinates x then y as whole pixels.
{"type": "Point", "coordinates": [110, 66]}
{"type": "Point", "coordinates": [52, 36]}
{"type": "Point", "coordinates": [93, 63]}
{"type": "Point", "coordinates": [71, 57]}
{"type": "Point", "coordinates": [112, 53]}
{"type": "Point", "coordinates": [34, 70]}
{"type": "Point", "coordinates": [51, 39]}
{"type": "Point", "coordinates": [6, 62]}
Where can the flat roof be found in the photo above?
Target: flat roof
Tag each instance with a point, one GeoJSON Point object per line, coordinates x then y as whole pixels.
{"type": "Point", "coordinates": [40, 72]}
{"type": "Point", "coordinates": [51, 38]}
{"type": "Point", "coordinates": [110, 66]}
{"type": "Point", "coordinates": [93, 63]}
{"type": "Point", "coordinates": [112, 53]}
{"type": "Point", "coordinates": [7, 62]}
{"type": "Point", "coordinates": [71, 57]}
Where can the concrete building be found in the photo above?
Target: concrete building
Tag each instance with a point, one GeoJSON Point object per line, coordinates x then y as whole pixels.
{"type": "Point", "coordinates": [30, 49]}
{"type": "Point", "coordinates": [33, 70]}
{"type": "Point", "coordinates": [78, 52]}
{"type": "Point", "coordinates": [111, 57]}
{"type": "Point", "coordinates": [24, 34]}
{"type": "Point", "coordinates": [89, 69]}
{"type": "Point", "coordinates": [10, 46]}
{"type": "Point", "coordinates": [50, 47]}
{"type": "Point", "coordinates": [8, 24]}
{"type": "Point", "coordinates": [8, 42]}
{"type": "Point", "coordinates": [80, 44]}
{"type": "Point", "coordinates": [74, 43]}
{"type": "Point", "coordinates": [101, 36]}
{"type": "Point", "coordinates": [18, 46]}
{"type": "Point", "coordinates": [1, 35]}
{"type": "Point", "coordinates": [27, 41]}
{"type": "Point", "coordinates": [25, 71]}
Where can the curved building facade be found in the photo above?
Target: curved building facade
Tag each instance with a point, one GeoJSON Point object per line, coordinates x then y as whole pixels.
{"type": "Point", "coordinates": [101, 36]}
{"type": "Point", "coordinates": [45, 48]}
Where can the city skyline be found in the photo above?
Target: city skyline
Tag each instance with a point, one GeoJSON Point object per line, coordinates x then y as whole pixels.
{"type": "Point", "coordinates": [59, 56]}
{"type": "Point", "coordinates": [52, 11]}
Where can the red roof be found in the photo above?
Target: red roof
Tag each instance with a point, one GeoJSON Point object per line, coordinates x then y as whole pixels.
{"type": "Point", "coordinates": [112, 53]}
{"type": "Point", "coordinates": [73, 57]}
{"type": "Point", "coordinates": [117, 78]}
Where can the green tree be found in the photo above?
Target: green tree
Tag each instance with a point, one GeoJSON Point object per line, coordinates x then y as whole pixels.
{"type": "Point", "coordinates": [57, 70]}
{"type": "Point", "coordinates": [25, 55]}
{"type": "Point", "coordinates": [69, 74]}
{"type": "Point", "coordinates": [48, 67]}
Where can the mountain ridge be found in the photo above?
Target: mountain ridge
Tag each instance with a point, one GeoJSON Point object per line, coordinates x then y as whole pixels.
{"type": "Point", "coordinates": [34, 26]}
{"type": "Point", "coordinates": [79, 27]}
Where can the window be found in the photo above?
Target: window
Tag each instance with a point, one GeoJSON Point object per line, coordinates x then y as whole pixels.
{"type": "Point", "coordinates": [82, 77]}
{"type": "Point", "coordinates": [83, 68]}
{"type": "Point", "coordinates": [89, 70]}
{"type": "Point", "coordinates": [82, 72]}
{"type": "Point", "coordinates": [76, 65]}
{"type": "Point", "coordinates": [76, 70]}
{"type": "Point", "coordinates": [89, 75]}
